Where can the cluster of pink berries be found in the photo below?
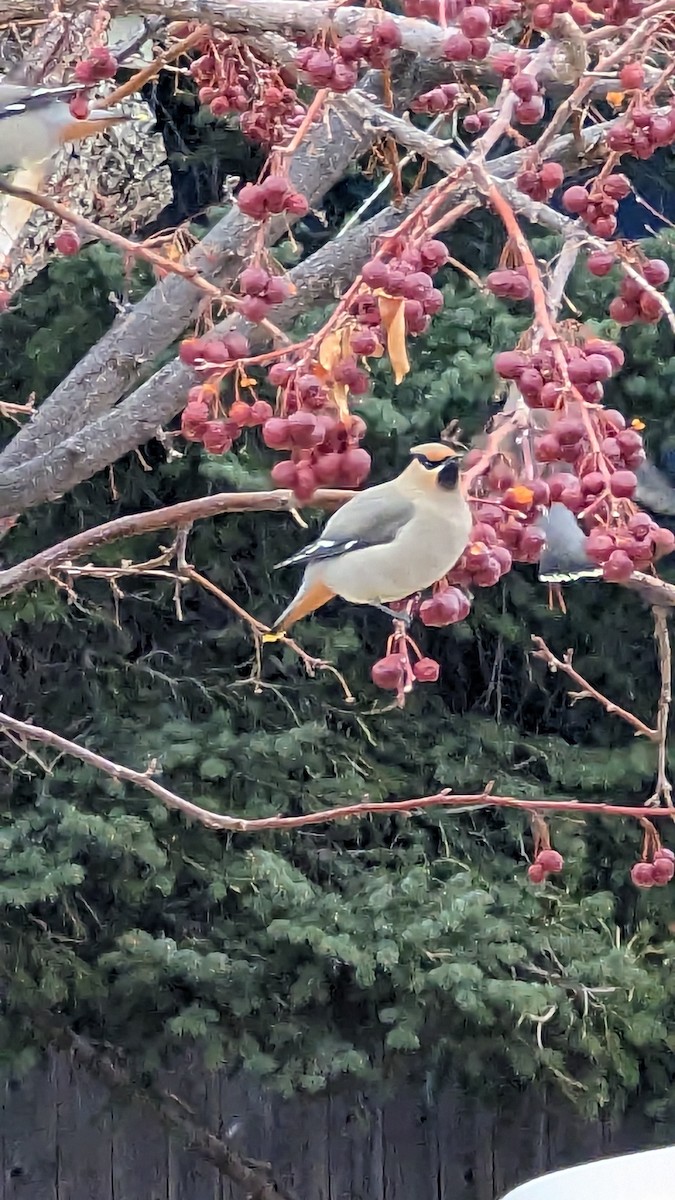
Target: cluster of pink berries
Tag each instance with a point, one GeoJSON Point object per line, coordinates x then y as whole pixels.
{"type": "Point", "coordinates": [500, 12]}
{"type": "Point", "coordinates": [539, 378]}
{"type": "Point", "coordinates": [643, 131]}
{"type": "Point", "coordinates": [510, 284]}
{"type": "Point", "coordinates": [548, 862]}
{"type": "Point", "coordinates": [98, 65]}
{"type": "Point", "coordinates": [539, 183]}
{"type": "Point", "coordinates": [230, 82]}
{"type": "Point", "coordinates": [261, 291]}
{"type": "Point", "coordinates": [635, 304]}
{"type": "Point", "coordinates": [390, 672]}
{"type": "Point", "coordinates": [201, 421]}
{"type": "Point", "coordinates": [657, 873]}
{"type": "Point", "coordinates": [274, 195]}
{"type": "Point", "coordinates": [598, 203]}
{"type": "Point", "coordinates": [443, 98]}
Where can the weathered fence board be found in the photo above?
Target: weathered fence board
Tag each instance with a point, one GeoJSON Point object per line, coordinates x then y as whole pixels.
{"type": "Point", "coordinates": [62, 1139]}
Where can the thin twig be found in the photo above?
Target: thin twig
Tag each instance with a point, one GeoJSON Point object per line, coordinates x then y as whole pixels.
{"type": "Point", "coordinates": [664, 791]}
{"type": "Point", "coordinates": [588, 691]}
{"type": "Point", "coordinates": [165, 266]}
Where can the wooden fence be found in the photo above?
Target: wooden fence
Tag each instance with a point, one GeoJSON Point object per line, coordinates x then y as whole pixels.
{"type": "Point", "coordinates": [62, 1139]}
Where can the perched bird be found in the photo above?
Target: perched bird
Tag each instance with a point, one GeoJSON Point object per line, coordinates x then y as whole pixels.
{"type": "Point", "coordinates": [564, 558]}
{"type": "Point", "coordinates": [388, 542]}
{"type": "Point", "coordinates": [36, 122]}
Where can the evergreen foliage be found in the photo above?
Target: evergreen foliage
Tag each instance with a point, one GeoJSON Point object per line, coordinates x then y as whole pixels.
{"type": "Point", "coordinates": [363, 948]}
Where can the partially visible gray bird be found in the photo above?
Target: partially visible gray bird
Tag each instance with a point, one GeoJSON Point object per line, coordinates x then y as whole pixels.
{"type": "Point", "coordinates": [36, 121]}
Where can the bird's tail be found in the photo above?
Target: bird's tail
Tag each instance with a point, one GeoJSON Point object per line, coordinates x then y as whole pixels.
{"type": "Point", "coordinates": [307, 599]}
{"type": "Point", "coordinates": [95, 122]}
{"type": "Point", "coordinates": [565, 557]}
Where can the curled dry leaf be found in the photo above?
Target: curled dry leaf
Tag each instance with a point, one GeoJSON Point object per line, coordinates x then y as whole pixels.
{"type": "Point", "coordinates": [392, 313]}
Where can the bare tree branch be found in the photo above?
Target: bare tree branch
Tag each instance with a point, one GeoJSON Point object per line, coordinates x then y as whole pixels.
{"type": "Point", "coordinates": [41, 565]}
{"type": "Point", "coordinates": [255, 1178]}
{"type": "Point", "coordinates": [213, 820]}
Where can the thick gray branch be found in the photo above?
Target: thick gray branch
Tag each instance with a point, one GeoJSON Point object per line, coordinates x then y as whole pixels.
{"type": "Point", "coordinates": [140, 417]}
{"type": "Point", "coordinates": [113, 366]}
{"type": "Point", "coordinates": [326, 274]}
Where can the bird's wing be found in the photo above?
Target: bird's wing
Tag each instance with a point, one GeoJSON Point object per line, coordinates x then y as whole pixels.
{"type": "Point", "coordinates": [564, 558]}
{"type": "Point", "coordinates": [15, 99]}
{"type": "Point", "coordinates": [654, 490]}
{"type": "Point", "coordinates": [372, 518]}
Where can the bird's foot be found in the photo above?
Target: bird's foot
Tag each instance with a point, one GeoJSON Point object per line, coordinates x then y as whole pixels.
{"type": "Point", "coordinates": [403, 616]}
{"type": "Point", "coordinates": [273, 636]}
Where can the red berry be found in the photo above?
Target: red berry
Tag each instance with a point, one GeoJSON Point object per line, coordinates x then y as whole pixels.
{"type": "Point", "coordinates": [542, 16]}
{"type": "Point", "coordinates": [388, 34]}
{"type": "Point", "coordinates": [536, 873]}
{"type": "Point", "coordinates": [388, 672]}
{"type": "Point", "coordinates": [622, 484]}
{"type": "Point", "coordinates": [662, 871]}
{"type": "Point", "coordinates": [240, 413]}
{"type": "Point", "coordinates": [278, 290]}
{"type": "Point", "coordinates": [474, 22]}
{"type": "Point", "coordinates": [190, 351]}
{"type": "Point", "coordinates": [524, 86]}
{"type": "Point", "coordinates": [642, 875]}
{"type": "Point", "coordinates": [632, 76]}
{"type": "Point", "coordinates": [529, 112]}
{"type": "Point", "coordinates": [261, 412]}
{"type": "Point", "coordinates": [551, 861]}
{"type": "Point", "coordinates": [457, 47]}
{"type": "Point", "coordinates": [426, 670]}
{"type": "Point", "coordinates": [355, 466]}
{"type": "Point", "coordinates": [441, 609]}
{"type": "Point", "coordinates": [236, 345]}
{"type": "Point", "coordinates": [433, 254]}
{"type": "Point", "coordinates": [215, 352]}
{"type": "Point", "coordinates": [67, 242]}
{"type": "Point", "coordinates": [276, 434]}
{"type": "Point", "coordinates": [622, 311]}
{"type": "Point", "coordinates": [551, 174]}
{"type": "Point", "coordinates": [575, 200]}
{"type": "Point", "coordinates": [296, 204]}
{"type": "Point", "coordinates": [599, 547]}
{"type": "Point", "coordinates": [252, 202]}
{"type": "Point", "coordinates": [364, 342]}
{"type": "Point", "coordinates": [656, 272]}
{"type": "Point", "coordinates": [664, 852]}
{"type": "Point", "coordinates": [600, 262]}
{"type": "Point", "coordinates": [254, 308]}
{"type": "Point", "coordinates": [305, 482]}
{"type": "Point", "coordinates": [279, 373]}
{"type": "Point", "coordinates": [618, 567]}
{"type": "Point", "coordinates": [617, 187]}
{"type": "Point", "coordinates": [285, 474]}
{"type": "Point", "coordinates": [216, 438]}
{"type": "Point", "coordinates": [650, 307]}
{"type": "Point", "coordinates": [663, 541]}
{"type": "Point", "coordinates": [511, 363]}
{"type": "Point", "coordinates": [253, 281]}
{"type": "Point", "coordinates": [375, 274]}
{"type": "Point", "coordinates": [303, 430]}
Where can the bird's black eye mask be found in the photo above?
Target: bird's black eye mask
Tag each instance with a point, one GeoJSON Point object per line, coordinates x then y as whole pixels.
{"type": "Point", "coordinates": [447, 475]}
